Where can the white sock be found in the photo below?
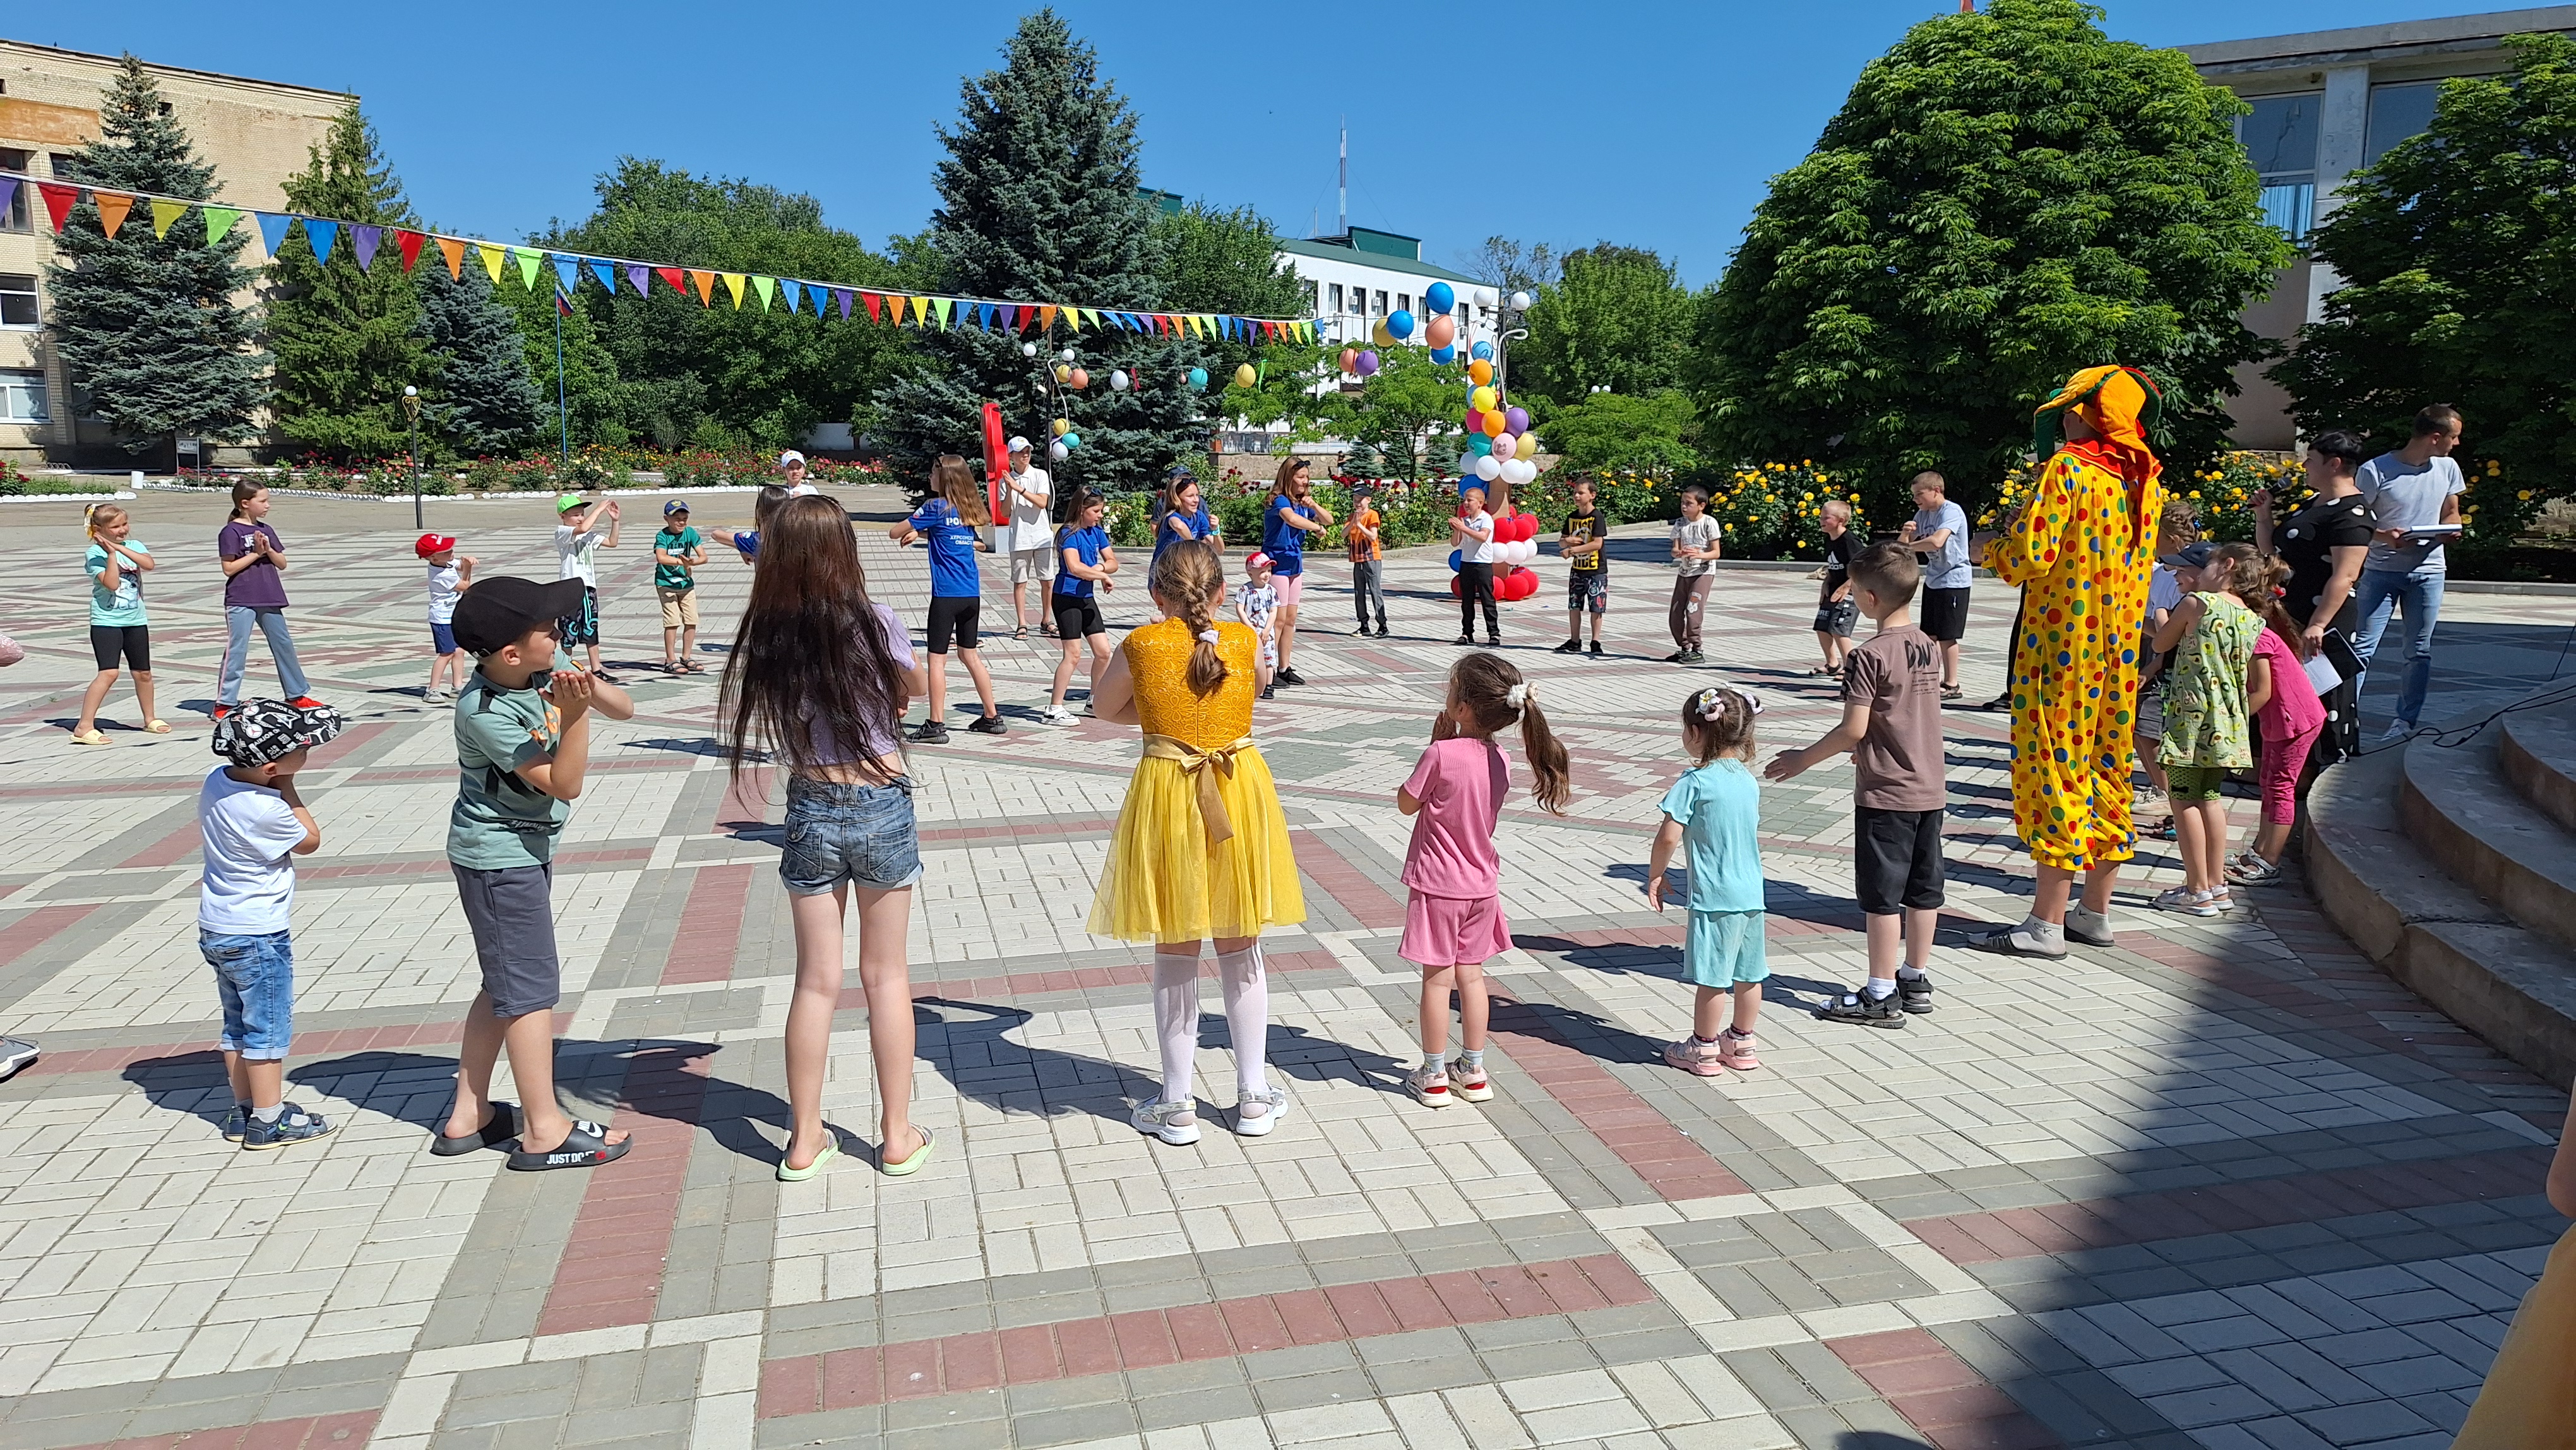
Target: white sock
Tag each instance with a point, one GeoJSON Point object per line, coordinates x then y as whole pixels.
{"type": "Point", "coordinates": [1176, 1021]}
{"type": "Point", "coordinates": [2046, 933]}
{"type": "Point", "coordinates": [270, 1113]}
{"type": "Point", "coordinates": [1880, 988]}
{"type": "Point", "coordinates": [1247, 1015]}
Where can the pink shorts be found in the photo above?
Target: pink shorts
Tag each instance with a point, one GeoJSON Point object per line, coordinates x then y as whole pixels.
{"type": "Point", "coordinates": [2282, 762]}
{"type": "Point", "coordinates": [1291, 588]}
{"type": "Point", "coordinates": [1443, 931]}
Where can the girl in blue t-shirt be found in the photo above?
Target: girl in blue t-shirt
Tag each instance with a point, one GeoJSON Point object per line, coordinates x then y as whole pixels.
{"type": "Point", "coordinates": [1180, 514]}
{"type": "Point", "coordinates": [1715, 810]}
{"type": "Point", "coordinates": [1286, 520]}
{"type": "Point", "coordinates": [1084, 562]}
{"type": "Point", "coordinates": [118, 626]}
{"type": "Point", "coordinates": [951, 521]}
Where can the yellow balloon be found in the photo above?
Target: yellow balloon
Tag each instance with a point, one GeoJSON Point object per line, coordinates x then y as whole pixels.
{"type": "Point", "coordinates": [1482, 400]}
{"type": "Point", "coordinates": [1528, 447]}
{"type": "Point", "coordinates": [1063, 426]}
{"type": "Point", "coordinates": [1378, 333]}
{"type": "Point", "coordinates": [1062, 372]}
{"type": "Point", "coordinates": [1481, 371]}
{"type": "Point", "coordinates": [1244, 376]}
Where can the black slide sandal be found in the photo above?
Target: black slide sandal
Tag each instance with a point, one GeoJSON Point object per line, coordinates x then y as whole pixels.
{"type": "Point", "coordinates": [587, 1146]}
{"type": "Point", "coordinates": [498, 1129]}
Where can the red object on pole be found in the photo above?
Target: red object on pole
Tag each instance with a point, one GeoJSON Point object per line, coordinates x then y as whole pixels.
{"type": "Point", "coordinates": [995, 460]}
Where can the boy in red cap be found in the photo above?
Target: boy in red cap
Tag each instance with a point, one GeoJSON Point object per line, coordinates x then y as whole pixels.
{"type": "Point", "coordinates": [450, 574]}
{"type": "Point", "coordinates": [1256, 603]}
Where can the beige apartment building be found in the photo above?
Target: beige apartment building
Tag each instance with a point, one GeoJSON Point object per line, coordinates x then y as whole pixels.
{"type": "Point", "coordinates": [254, 133]}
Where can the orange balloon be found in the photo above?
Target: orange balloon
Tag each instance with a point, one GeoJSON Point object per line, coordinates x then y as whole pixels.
{"type": "Point", "coordinates": [1481, 371]}
{"type": "Point", "coordinates": [1350, 359]}
{"type": "Point", "coordinates": [1442, 331]}
{"type": "Point", "coordinates": [1493, 425]}
{"type": "Point", "coordinates": [1077, 380]}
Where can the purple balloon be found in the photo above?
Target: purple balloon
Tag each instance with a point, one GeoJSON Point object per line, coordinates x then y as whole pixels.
{"type": "Point", "coordinates": [1515, 421]}
{"type": "Point", "coordinates": [1368, 364]}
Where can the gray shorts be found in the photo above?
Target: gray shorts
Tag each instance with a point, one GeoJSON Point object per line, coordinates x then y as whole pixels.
{"type": "Point", "coordinates": [512, 913]}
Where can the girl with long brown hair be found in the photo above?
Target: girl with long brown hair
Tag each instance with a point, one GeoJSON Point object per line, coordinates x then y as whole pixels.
{"type": "Point", "coordinates": [1292, 513]}
{"type": "Point", "coordinates": [951, 521]}
{"type": "Point", "coordinates": [1201, 850]}
{"type": "Point", "coordinates": [818, 680]}
{"type": "Point", "coordinates": [1453, 917]}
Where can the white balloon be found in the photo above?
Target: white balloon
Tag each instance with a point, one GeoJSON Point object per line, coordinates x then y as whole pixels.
{"type": "Point", "coordinates": [1058, 451]}
{"type": "Point", "coordinates": [1067, 354]}
{"type": "Point", "coordinates": [1489, 468]}
{"type": "Point", "coordinates": [1519, 470]}
{"type": "Point", "coordinates": [1466, 463]}
{"type": "Point", "coordinates": [1118, 381]}
{"type": "Point", "coordinates": [1028, 349]}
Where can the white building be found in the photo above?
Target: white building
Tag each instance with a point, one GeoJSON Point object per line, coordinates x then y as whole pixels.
{"type": "Point", "coordinates": [1356, 280]}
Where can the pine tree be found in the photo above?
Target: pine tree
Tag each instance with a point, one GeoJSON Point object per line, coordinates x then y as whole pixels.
{"type": "Point", "coordinates": [1038, 201]}
{"type": "Point", "coordinates": [483, 402]}
{"type": "Point", "coordinates": [147, 324]}
{"type": "Point", "coordinates": [347, 339]}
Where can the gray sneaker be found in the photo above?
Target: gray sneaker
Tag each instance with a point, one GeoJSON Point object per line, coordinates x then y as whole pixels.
{"type": "Point", "coordinates": [15, 1053]}
{"type": "Point", "coordinates": [236, 1120]}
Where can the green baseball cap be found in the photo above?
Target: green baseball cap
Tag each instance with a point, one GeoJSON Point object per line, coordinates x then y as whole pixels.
{"type": "Point", "coordinates": [566, 502]}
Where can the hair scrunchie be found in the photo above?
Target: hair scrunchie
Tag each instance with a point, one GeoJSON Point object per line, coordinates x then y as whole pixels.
{"type": "Point", "coordinates": [1208, 635]}
{"type": "Point", "coordinates": [1517, 696]}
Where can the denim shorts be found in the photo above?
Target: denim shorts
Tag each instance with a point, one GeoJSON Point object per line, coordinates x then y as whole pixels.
{"type": "Point", "coordinates": [256, 977]}
{"type": "Point", "coordinates": [861, 834]}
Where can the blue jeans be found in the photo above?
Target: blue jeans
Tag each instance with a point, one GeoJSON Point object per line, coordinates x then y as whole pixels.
{"type": "Point", "coordinates": [281, 646]}
{"type": "Point", "coordinates": [861, 834]}
{"type": "Point", "coordinates": [256, 977]}
{"type": "Point", "coordinates": [2418, 596]}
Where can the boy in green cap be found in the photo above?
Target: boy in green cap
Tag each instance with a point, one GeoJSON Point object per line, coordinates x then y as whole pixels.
{"type": "Point", "coordinates": [578, 540]}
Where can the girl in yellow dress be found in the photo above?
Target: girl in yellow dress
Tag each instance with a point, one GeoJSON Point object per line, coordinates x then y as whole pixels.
{"type": "Point", "coordinates": [1201, 850]}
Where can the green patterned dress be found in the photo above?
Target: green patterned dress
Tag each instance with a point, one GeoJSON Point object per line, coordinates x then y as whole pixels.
{"type": "Point", "coordinates": [2206, 722]}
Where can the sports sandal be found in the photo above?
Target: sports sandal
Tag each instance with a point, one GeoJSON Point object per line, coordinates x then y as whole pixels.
{"type": "Point", "coordinates": [294, 1123]}
{"type": "Point", "coordinates": [1735, 1049]}
{"type": "Point", "coordinates": [1696, 1057]}
{"type": "Point", "coordinates": [587, 1146]}
{"type": "Point", "coordinates": [1915, 993]}
{"type": "Point", "coordinates": [1864, 1009]}
{"type": "Point", "coordinates": [499, 1128]}
{"type": "Point", "coordinates": [906, 1167]}
{"type": "Point", "coordinates": [1174, 1123]}
{"type": "Point", "coordinates": [1274, 1103]}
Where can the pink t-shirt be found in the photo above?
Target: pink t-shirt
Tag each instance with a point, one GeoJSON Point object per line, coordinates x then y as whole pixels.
{"type": "Point", "coordinates": [1461, 784]}
{"type": "Point", "coordinates": [2294, 709]}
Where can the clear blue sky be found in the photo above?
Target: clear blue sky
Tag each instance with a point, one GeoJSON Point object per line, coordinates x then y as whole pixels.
{"type": "Point", "coordinates": [1649, 122]}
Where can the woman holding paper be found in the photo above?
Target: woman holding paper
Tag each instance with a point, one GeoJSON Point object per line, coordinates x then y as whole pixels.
{"type": "Point", "coordinates": [2325, 545]}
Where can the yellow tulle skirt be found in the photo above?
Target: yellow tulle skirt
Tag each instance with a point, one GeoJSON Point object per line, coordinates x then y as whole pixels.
{"type": "Point", "coordinates": [1164, 883]}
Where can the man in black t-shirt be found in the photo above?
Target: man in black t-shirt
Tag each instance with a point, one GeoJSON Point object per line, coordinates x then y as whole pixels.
{"type": "Point", "coordinates": [1836, 611]}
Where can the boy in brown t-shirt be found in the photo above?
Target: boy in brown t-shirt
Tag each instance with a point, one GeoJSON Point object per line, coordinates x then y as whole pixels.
{"type": "Point", "coordinates": [1892, 726]}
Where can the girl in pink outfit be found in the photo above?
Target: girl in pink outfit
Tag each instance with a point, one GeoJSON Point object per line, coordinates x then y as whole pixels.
{"type": "Point", "coordinates": [2282, 699]}
{"type": "Point", "coordinates": [1453, 919]}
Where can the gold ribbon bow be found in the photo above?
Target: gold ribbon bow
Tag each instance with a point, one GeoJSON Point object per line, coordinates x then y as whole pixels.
{"type": "Point", "coordinates": [1202, 767]}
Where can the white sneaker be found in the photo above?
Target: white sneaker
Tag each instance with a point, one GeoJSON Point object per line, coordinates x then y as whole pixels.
{"type": "Point", "coordinates": [1174, 1123]}
{"type": "Point", "coordinates": [1055, 715]}
{"type": "Point", "coordinates": [2397, 730]}
{"type": "Point", "coordinates": [1255, 1114]}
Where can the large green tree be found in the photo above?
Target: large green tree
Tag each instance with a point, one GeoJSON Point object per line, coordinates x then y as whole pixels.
{"type": "Point", "coordinates": [481, 401]}
{"type": "Point", "coordinates": [146, 323]}
{"type": "Point", "coordinates": [2458, 273]}
{"type": "Point", "coordinates": [2005, 196]}
{"type": "Point", "coordinates": [1616, 317]}
{"type": "Point", "coordinates": [347, 337]}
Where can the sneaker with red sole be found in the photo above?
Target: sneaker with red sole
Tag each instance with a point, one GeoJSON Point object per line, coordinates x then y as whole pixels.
{"type": "Point", "coordinates": [222, 710]}
{"type": "Point", "coordinates": [305, 702]}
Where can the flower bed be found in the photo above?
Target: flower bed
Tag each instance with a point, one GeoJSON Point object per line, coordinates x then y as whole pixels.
{"type": "Point", "coordinates": [1776, 510]}
{"type": "Point", "coordinates": [596, 467]}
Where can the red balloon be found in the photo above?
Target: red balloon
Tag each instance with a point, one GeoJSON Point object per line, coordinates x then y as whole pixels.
{"type": "Point", "coordinates": [1475, 421]}
{"type": "Point", "coordinates": [1529, 527]}
{"type": "Point", "coordinates": [1453, 586]}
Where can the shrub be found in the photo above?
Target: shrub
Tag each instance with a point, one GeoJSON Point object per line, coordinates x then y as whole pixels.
{"type": "Point", "coordinates": [12, 481]}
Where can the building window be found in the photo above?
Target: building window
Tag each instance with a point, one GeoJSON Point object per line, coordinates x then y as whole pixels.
{"type": "Point", "coordinates": [1310, 299]}
{"type": "Point", "coordinates": [22, 397]}
{"type": "Point", "coordinates": [17, 299]}
{"type": "Point", "coordinates": [1381, 304]}
{"type": "Point", "coordinates": [1404, 301]}
{"type": "Point", "coordinates": [2396, 113]}
{"type": "Point", "coordinates": [1337, 299]}
{"type": "Point", "coordinates": [66, 167]}
{"type": "Point", "coordinates": [17, 217]}
{"type": "Point", "coordinates": [2280, 138]}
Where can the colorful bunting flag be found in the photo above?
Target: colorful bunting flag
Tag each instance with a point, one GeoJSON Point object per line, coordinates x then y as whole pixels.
{"type": "Point", "coordinates": [1046, 317]}
{"type": "Point", "coordinates": [795, 294]}
{"type": "Point", "coordinates": [639, 277]}
{"type": "Point", "coordinates": [220, 220]}
{"type": "Point", "coordinates": [453, 249]}
{"type": "Point", "coordinates": [58, 201]}
{"type": "Point", "coordinates": [529, 262]}
{"type": "Point", "coordinates": [493, 257]}
{"type": "Point", "coordinates": [363, 240]}
{"type": "Point", "coordinates": [873, 301]}
{"type": "Point", "coordinates": [112, 207]}
{"type": "Point", "coordinates": [407, 242]}
{"type": "Point", "coordinates": [272, 230]}
{"type": "Point", "coordinates": [606, 273]}
{"type": "Point", "coordinates": [318, 234]}
{"type": "Point", "coordinates": [705, 282]}
{"type": "Point", "coordinates": [567, 270]}
{"type": "Point", "coordinates": [673, 278]}
{"type": "Point", "coordinates": [841, 297]}
{"type": "Point", "coordinates": [767, 287]}
{"type": "Point", "coordinates": [733, 283]}
{"type": "Point", "coordinates": [942, 304]}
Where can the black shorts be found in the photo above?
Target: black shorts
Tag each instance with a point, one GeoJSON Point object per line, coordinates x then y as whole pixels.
{"type": "Point", "coordinates": [1945, 614]}
{"type": "Point", "coordinates": [1077, 616]}
{"type": "Point", "coordinates": [1833, 617]}
{"type": "Point", "coordinates": [582, 625]}
{"type": "Point", "coordinates": [957, 617]}
{"type": "Point", "coordinates": [511, 912]}
{"type": "Point", "coordinates": [134, 641]}
{"type": "Point", "coordinates": [1896, 860]}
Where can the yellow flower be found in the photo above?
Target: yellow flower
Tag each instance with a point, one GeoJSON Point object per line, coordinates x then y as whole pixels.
{"type": "Point", "coordinates": [2525, 494]}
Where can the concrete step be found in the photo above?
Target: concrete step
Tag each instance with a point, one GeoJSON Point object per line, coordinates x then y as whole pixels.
{"type": "Point", "coordinates": [2464, 814]}
{"type": "Point", "coordinates": [2537, 753]}
{"type": "Point", "coordinates": [2377, 882]}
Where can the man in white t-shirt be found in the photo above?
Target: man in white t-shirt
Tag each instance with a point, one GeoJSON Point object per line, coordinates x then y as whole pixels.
{"type": "Point", "coordinates": [2414, 489]}
{"type": "Point", "coordinates": [791, 472]}
{"type": "Point", "coordinates": [1032, 537]}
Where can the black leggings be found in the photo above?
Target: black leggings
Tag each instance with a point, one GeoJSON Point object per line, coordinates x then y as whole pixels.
{"type": "Point", "coordinates": [134, 641]}
{"type": "Point", "coordinates": [1476, 586]}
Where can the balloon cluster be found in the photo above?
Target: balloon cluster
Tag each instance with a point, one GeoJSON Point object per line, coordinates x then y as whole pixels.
{"type": "Point", "coordinates": [1072, 377]}
{"type": "Point", "coordinates": [1515, 545]}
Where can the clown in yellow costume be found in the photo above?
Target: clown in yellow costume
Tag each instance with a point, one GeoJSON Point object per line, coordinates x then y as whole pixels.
{"type": "Point", "coordinates": [2081, 549]}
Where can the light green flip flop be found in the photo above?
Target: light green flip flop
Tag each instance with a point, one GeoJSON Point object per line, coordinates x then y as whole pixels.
{"type": "Point", "coordinates": [831, 1150]}
{"type": "Point", "coordinates": [911, 1165]}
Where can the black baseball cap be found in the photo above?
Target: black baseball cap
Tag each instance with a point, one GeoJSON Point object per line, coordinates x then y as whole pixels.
{"type": "Point", "coordinates": [2195, 556]}
{"type": "Point", "coordinates": [260, 731]}
{"type": "Point", "coordinates": [496, 613]}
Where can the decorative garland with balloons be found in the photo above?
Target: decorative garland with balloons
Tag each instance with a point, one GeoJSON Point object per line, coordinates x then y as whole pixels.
{"type": "Point", "coordinates": [1064, 374]}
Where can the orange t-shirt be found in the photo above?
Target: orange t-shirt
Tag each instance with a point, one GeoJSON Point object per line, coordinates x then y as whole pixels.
{"type": "Point", "coordinates": [1363, 547]}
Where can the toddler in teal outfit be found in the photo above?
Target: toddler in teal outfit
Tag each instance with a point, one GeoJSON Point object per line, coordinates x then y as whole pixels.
{"type": "Point", "coordinates": [1714, 811]}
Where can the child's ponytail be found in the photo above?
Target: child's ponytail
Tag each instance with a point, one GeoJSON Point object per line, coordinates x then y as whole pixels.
{"type": "Point", "coordinates": [244, 490]}
{"type": "Point", "coordinates": [1549, 763]}
{"type": "Point", "coordinates": [1492, 693]}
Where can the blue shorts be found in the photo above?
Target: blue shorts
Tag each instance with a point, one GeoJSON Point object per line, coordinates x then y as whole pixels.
{"type": "Point", "coordinates": [442, 638]}
{"type": "Point", "coordinates": [255, 975]}
{"type": "Point", "coordinates": [860, 834]}
{"type": "Point", "coordinates": [1725, 949]}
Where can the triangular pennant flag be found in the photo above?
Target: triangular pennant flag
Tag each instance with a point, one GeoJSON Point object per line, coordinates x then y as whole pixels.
{"type": "Point", "coordinates": [705, 282]}
{"type": "Point", "coordinates": [841, 299]}
{"type": "Point", "coordinates": [1046, 317]}
{"type": "Point", "coordinates": [528, 262]}
{"type": "Point", "coordinates": [453, 249]}
{"type": "Point", "coordinates": [272, 229]}
{"type": "Point", "coordinates": [767, 287]}
{"type": "Point", "coordinates": [921, 312]}
{"type": "Point", "coordinates": [364, 240]}
{"type": "Point", "coordinates": [794, 292]}
{"type": "Point", "coordinates": [674, 278]}
{"type": "Point", "coordinates": [318, 234]}
{"type": "Point", "coordinates": [733, 283]}
{"type": "Point", "coordinates": [408, 242]}
{"type": "Point", "coordinates": [567, 270]}
{"type": "Point", "coordinates": [874, 300]}
{"type": "Point", "coordinates": [494, 256]}
{"type": "Point", "coordinates": [606, 273]}
{"type": "Point", "coordinates": [639, 277]}
{"type": "Point", "coordinates": [220, 221]}
{"type": "Point", "coordinates": [112, 207]}
{"type": "Point", "coordinates": [941, 306]}
{"type": "Point", "coordinates": [165, 214]}
{"type": "Point", "coordinates": [58, 201]}
{"type": "Point", "coordinates": [984, 316]}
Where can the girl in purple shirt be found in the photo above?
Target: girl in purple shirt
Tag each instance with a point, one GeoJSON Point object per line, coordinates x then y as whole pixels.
{"type": "Point", "coordinates": [254, 560]}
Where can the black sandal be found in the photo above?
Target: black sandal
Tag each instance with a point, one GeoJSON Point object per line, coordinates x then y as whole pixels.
{"type": "Point", "coordinates": [586, 1146]}
{"type": "Point", "coordinates": [498, 1129]}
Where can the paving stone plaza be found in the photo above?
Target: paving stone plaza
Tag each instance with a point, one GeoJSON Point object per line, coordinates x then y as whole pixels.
{"type": "Point", "coordinates": [2226, 1185]}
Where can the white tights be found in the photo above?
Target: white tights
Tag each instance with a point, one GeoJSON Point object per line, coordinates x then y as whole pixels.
{"type": "Point", "coordinates": [1247, 1017]}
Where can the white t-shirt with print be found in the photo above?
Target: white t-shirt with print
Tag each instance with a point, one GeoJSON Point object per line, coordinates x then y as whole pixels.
{"type": "Point", "coordinates": [1478, 546]}
{"type": "Point", "coordinates": [249, 834]}
{"type": "Point", "coordinates": [577, 553]}
{"type": "Point", "coordinates": [1698, 533]}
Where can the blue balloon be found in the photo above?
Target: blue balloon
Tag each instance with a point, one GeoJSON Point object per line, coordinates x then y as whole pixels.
{"type": "Point", "coordinates": [1482, 352]}
{"type": "Point", "coordinates": [1444, 355]}
{"type": "Point", "coordinates": [1477, 443]}
{"type": "Point", "coordinates": [1453, 553]}
{"type": "Point", "coordinates": [1399, 324]}
{"type": "Point", "coordinates": [1198, 380]}
{"type": "Point", "coordinates": [1074, 440]}
{"type": "Point", "coordinates": [1439, 298]}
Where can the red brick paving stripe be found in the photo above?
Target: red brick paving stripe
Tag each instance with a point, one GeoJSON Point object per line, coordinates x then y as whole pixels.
{"type": "Point", "coordinates": [746, 799]}
{"type": "Point", "coordinates": [38, 927]}
{"type": "Point", "coordinates": [611, 1270]}
{"type": "Point", "coordinates": [1674, 1164]}
{"type": "Point", "coordinates": [1047, 828]}
{"type": "Point", "coordinates": [1357, 891]}
{"type": "Point", "coordinates": [1031, 1354]}
{"type": "Point", "coordinates": [2101, 1223]}
{"type": "Point", "coordinates": [710, 927]}
{"type": "Point", "coordinates": [312, 1432]}
{"type": "Point", "coordinates": [170, 850]}
{"type": "Point", "coordinates": [1940, 1394]}
{"type": "Point", "coordinates": [1070, 979]}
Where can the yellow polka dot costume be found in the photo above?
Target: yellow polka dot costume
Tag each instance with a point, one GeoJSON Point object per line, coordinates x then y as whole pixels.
{"type": "Point", "coordinates": [2081, 550]}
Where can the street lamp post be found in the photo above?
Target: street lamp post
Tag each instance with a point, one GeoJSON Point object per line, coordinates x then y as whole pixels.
{"type": "Point", "coordinates": [411, 411]}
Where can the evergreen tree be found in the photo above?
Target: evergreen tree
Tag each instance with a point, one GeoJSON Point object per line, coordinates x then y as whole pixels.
{"type": "Point", "coordinates": [347, 339]}
{"type": "Point", "coordinates": [1038, 201]}
{"type": "Point", "coordinates": [147, 324]}
{"type": "Point", "coordinates": [595, 405]}
{"type": "Point", "coordinates": [484, 402]}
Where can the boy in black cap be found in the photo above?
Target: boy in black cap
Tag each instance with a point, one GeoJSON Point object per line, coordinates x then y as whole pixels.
{"type": "Point", "coordinates": [253, 826]}
{"type": "Point", "coordinates": [522, 747]}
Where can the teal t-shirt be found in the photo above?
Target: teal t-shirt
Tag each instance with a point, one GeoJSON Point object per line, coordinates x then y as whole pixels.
{"type": "Point", "coordinates": [121, 607]}
{"type": "Point", "coordinates": [681, 543]}
{"type": "Point", "coordinates": [500, 820]}
{"type": "Point", "coordinates": [1720, 809]}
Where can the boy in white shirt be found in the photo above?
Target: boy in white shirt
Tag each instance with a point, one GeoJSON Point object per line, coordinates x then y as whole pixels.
{"type": "Point", "coordinates": [1256, 603]}
{"type": "Point", "coordinates": [1473, 530]}
{"type": "Point", "coordinates": [578, 539]}
{"type": "Point", "coordinates": [253, 825]}
{"type": "Point", "coordinates": [450, 574]}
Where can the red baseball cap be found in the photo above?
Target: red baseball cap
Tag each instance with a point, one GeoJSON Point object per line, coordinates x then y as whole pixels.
{"type": "Point", "coordinates": [1256, 560]}
{"type": "Point", "coordinates": [429, 544]}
